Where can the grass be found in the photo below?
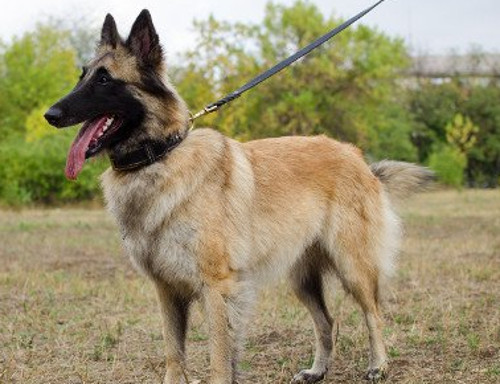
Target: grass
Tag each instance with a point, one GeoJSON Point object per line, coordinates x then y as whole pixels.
{"type": "Point", "coordinates": [72, 309]}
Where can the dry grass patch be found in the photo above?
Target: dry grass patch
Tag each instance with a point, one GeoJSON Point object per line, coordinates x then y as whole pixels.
{"type": "Point", "coordinates": [72, 310]}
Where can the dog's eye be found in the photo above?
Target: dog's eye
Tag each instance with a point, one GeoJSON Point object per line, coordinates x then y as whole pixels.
{"type": "Point", "coordinates": [104, 79]}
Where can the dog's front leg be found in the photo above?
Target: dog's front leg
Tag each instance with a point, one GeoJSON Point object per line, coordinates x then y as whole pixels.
{"type": "Point", "coordinates": [224, 320]}
{"type": "Point", "coordinates": [174, 307]}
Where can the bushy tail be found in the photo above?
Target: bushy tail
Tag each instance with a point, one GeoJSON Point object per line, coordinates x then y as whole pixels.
{"type": "Point", "coordinates": [402, 179]}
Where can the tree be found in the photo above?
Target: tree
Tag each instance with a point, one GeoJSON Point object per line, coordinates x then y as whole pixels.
{"type": "Point", "coordinates": [433, 106]}
{"type": "Point", "coordinates": [347, 89]}
{"type": "Point", "coordinates": [484, 157]}
{"type": "Point", "coordinates": [35, 70]}
{"type": "Point", "coordinates": [436, 108]}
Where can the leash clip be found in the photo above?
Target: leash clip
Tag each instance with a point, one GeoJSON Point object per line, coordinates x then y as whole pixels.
{"type": "Point", "coordinates": [208, 109]}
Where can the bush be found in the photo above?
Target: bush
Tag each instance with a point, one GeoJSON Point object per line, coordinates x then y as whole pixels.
{"type": "Point", "coordinates": [34, 172]}
{"type": "Point", "coordinates": [449, 164]}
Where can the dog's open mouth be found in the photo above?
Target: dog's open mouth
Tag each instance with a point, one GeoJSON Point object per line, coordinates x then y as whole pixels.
{"type": "Point", "coordinates": [91, 139]}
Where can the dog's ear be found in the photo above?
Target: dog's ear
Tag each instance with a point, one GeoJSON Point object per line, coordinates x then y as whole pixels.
{"type": "Point", "coordinates": [109, 33]}
{"type": "Point", "coordinates": [144, 42]}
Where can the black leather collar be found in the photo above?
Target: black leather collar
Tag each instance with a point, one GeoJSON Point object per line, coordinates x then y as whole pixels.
{"type": "Point", "coordinates": [147, 153]}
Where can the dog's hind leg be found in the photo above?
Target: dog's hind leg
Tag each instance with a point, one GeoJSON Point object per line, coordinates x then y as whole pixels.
{"type": "Point", "coordinates": [307, 283]}
{"type": "Point", "coordinates": [356, 266]}
{"type": "Point", "coordinates": [174, 310]}
{"type": "Point", "coordinates": [365, 292]}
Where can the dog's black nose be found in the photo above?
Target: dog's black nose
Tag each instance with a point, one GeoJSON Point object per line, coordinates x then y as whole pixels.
{"type": "Point", "coordinates": [53, 115]}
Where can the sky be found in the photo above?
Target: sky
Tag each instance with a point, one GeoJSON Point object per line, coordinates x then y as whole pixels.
{"type": "Point", "coordinates": [428, 26]}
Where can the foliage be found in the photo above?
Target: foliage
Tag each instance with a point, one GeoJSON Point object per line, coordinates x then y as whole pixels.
{"type": "Point", "coordinates": [483, 108]}
{"type": "Point", "coordinates": [346, 89]}
{"type": "Point", "coordinates": [36, 125]}
{"type": "Point", "coordinates": [461, 133]}
{"type": "Point", "coordinates": [436, 108]}
{"type": "Point", "coordinates": [350, 89]}
{"type": "Point", "coordinates": [449, 164]}
{"type": "Point", "coordinates": [433, 106]}
{"type": "Point", "coordinates": [34, 172]}
{"type": "Point", "coordinates": [35, 70]}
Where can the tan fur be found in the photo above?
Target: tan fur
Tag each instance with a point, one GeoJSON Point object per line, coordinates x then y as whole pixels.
{"type": "Point", "coordinates": [216, 220]}
{"type": "Point", "coordinates": [402, 179]}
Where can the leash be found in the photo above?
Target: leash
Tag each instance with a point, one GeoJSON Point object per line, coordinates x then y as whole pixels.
{"type": "Point", "coordinates": [280, 66]}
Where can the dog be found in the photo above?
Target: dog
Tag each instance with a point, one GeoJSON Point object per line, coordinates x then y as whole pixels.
{"type": "Point", "coordinates": [208, 218]}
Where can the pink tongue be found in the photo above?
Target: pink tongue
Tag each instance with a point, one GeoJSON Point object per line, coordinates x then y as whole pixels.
{"type": "Point", "coordinates": [76, 155]}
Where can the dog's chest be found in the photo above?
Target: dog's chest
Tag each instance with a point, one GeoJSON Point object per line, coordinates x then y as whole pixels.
{"type": "Point", "coordinates": [157, 237]}
{"type": "Point", "coordinates": [165, 253]}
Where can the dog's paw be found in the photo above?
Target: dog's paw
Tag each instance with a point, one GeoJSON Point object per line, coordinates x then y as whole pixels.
{"type": "Point", "coordinates": [307, 376]}
{"type": "Point", "coordinates": [375, 375]}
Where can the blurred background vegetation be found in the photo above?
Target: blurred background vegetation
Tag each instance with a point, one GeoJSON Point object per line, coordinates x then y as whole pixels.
{"type": "Point", "coordinates": [364, 87]}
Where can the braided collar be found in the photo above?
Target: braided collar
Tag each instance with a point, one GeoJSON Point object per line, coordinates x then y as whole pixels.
{"type": "Point", "coordinates": [147, 153]}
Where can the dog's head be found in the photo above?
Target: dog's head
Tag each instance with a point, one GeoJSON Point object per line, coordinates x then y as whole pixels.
{"type": "Point", "coordinates": [122, 96]}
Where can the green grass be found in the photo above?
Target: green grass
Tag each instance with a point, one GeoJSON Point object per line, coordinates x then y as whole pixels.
{"type": "Point", "coordinates": [72, 309]}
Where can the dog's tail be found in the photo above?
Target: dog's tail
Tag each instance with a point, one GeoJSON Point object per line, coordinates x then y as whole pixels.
{"type": "Point", "coordinates": [401, 179]}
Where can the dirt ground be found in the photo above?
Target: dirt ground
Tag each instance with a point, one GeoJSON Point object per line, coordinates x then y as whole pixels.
{"type": "Point", "coordinates": [73, 310]}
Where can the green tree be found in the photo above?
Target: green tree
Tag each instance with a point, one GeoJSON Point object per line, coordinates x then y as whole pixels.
{"type": "Point", "coordinates": [483, 108]}
{"type": "Point", "coordinates": [347, 89]}
{"type": "Point", "coordinates": [35, 70]}
{"type": "Point", "coordinates": [435, 108]}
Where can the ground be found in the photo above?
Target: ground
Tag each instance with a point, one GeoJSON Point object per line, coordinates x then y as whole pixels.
{"type": "Point", "coordinates": [73, 310]}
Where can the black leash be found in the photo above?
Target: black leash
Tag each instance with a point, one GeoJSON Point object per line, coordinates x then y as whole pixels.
{"type": "Point", "coordinates": [278, 67]}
